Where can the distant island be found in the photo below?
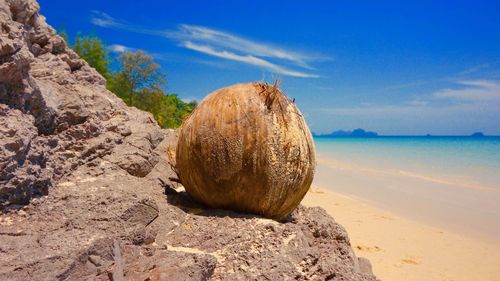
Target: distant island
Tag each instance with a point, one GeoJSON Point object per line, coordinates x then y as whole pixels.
{"type": "Point", "coordinates": [361, 133]}
{"type": "Point", "coordinates": [477, 135]}
{"type": "Point", "coordinates": [357, 133]}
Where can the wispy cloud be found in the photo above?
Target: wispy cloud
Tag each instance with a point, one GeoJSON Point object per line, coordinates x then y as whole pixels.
{"type": "Point", "coordinates": [472, 91]}
{"type": "Point", "coordinates": [224, 45]}
{"type": "Point", "coordinates": [237, 43]}
{"type": "Point", "coordinates": [468, 94]}
{"type": "Point", "coordinates": [418, 102]}
{"type": "Point", "coordinates": [117, 48]}
{"type": "Point", "coordinates": [473, 102]}
{"type": "Point", "coordinates": [406, 85]}
{"type": "Point", "coordinates": [475, 69]}
{"type": "Point", "coordinates": [249, 59]}
{"type": "Point", "coordinates": [104, 20]}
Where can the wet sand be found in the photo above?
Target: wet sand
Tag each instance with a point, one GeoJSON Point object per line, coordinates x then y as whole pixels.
{"type": "Point", "coordinates": [451, 201]}
{"type": "Point", "coordinates": [401, 248]}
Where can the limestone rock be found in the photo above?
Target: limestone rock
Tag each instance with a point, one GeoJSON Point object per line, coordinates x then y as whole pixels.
{"type": "Point", "coordinates": [63, 115]}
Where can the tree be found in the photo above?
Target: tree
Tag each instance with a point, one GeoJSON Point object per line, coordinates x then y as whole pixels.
{"type": "Point", "coordinates": [93, 50]}
{"type": "Point", "coordinates": [139, 83]}
{"type": "Point", "coordinates": [137, 80]}
{"type": "Point", "coordinates": [140, 72]}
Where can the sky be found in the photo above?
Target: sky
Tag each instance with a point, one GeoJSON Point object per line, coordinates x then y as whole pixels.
{"type": "Point", "coordinates": [394, 67]}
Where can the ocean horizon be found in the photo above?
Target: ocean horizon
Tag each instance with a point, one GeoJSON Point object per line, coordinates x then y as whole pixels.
{"type": "Point", "coordinates": [471, 136]}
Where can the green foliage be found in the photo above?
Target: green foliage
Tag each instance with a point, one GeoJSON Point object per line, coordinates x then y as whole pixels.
{"type": "Point", "coordinates": [138, 81]}
{"type": "Point", "coordinates": [93, 50]}
{"type": "Point", "coordinates": [168, 110]}
{"type": "Point", "coordinates": [64, 35]}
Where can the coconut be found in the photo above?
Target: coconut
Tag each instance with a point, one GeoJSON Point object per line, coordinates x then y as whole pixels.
{"type": "Point", "coordinates": [247, 148]}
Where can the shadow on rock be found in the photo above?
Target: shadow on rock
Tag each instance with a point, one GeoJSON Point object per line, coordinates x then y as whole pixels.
{"type": "Point", "coordinates": [184, 202]}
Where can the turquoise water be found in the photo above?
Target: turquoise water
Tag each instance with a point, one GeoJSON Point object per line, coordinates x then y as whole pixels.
{"type": "Point", "coordinates": [476, 159]}
{"type": "Point", "coordinates": [448, 181]}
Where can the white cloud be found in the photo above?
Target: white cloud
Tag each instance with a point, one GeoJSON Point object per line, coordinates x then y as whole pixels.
{"type": "Point", "coordinates": [249, 59]}
{"type": "Point", "coordinates": [222, 45]}
{"type": "Point", "coordinates": [418, 102]}
{"type": "Point", "coordinates": [468, 106]}
{"type": "Point", "coordinates": [233, 42]}
{"type": "Point", "coordinates": [117, 48]}
{"type": "Point", "coordinates": [104, 20]}
{"type": "Point", "coordinates": [471, 95]}
{"type": "Point", "coordinates": [475, 69]}
{"type": "Point", "coordinates": [406, 85]}
{"type": "Point", "coordinates": [472, 91]}
{"type": "Point", "coordinates": [413, 110]}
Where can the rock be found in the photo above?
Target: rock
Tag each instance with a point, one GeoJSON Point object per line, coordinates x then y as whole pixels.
{"type": "Point", "coordinates": [365, 265]}
{"type": "Point", "coordinates": [58, 111]}
{"type": "Point", "coordinates": [85, 189]}
{"type": "Point", "coordinates": [23, 172]}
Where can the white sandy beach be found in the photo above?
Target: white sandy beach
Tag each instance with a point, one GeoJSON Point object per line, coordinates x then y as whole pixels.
{"type": "Point", "coordinates": [401, 248]}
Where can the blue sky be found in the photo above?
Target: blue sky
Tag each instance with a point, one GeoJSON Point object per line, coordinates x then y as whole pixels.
{"type": "Point", "coordinates": [395, 67]}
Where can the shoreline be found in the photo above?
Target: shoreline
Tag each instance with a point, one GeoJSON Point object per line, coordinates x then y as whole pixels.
{"type": "Point", "coordinates": [448, 201]}
{"type": "Point", "coordinates": [401, 248]}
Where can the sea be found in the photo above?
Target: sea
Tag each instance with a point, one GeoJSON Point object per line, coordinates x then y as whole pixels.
{"type": "Point", "coordinates": [448, 182]}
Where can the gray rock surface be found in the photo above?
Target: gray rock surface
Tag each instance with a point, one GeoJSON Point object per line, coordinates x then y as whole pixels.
{"type": "Point", "coordinates": [85, 192]}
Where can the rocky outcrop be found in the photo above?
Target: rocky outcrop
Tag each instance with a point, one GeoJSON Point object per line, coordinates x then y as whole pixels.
{"type": "Point", "coordinates": [85, 190]}
{"type": "Point", "coordinates": [56, 114]}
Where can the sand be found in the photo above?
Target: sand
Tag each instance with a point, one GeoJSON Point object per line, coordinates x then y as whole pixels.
{"type": "Point", "coordinates": [401, 248]}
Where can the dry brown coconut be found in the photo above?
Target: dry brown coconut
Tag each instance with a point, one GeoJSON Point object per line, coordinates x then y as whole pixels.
{"type": "Point", "coordinates": [247, 148]}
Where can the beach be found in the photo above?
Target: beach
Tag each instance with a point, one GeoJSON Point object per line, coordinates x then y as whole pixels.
{"type": "Point", "coordinates": [418, 208]}
{"type": "Point", "coordinates": [401, 248]}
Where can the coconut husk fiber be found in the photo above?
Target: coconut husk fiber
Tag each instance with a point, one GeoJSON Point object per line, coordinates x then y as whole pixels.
{"type": "Point", "coordinates": [247, 148]}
